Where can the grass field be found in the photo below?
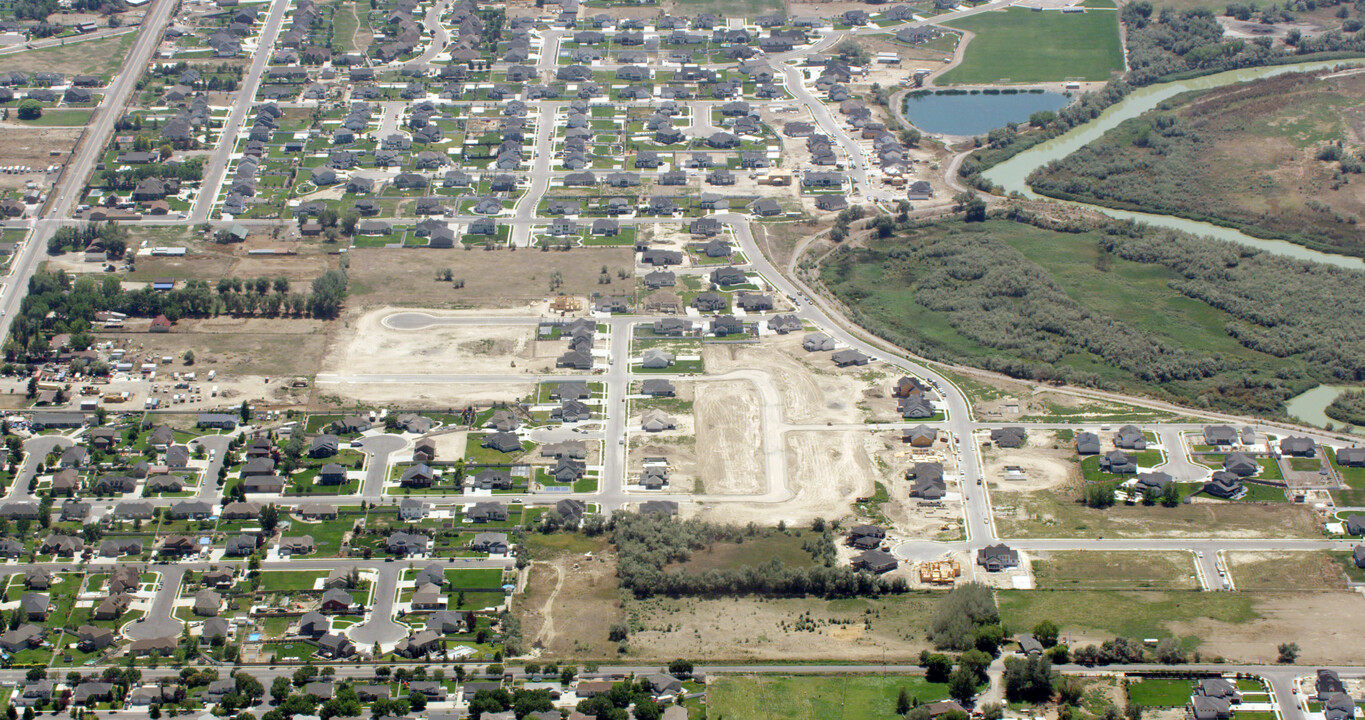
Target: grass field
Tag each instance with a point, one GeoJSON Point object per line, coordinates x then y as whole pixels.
{"type": "Point", "coordinates": [1157, 692]}
{"type": "Point", "coordinates": [92, 57]}
{"type": "Point", "coordinates": [60, 117]}
{"type": "Point", "coordinates": [1130, 614]}
{"type": "Point", "coordinates": [827, 698]}
{"type": "Point", "coordinates": [1115, 571]}
{"type": "Point", "coordinates": [1289, 571]}
{"type": "Point", "coordinates": [752, 552]}
{"type": "Point", "coordinates": [1020, 46]}
{"type": "Point", "coordinates": [742, 8]}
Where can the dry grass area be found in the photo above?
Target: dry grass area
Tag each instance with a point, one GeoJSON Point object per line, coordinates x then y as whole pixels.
{"type": "Point", "coordinates": [779, 239]}
{"type": "Point", "coordinates": [410, 395]}
{"type": "Point", "coordinates": [1323, 624]}
{"type": "Point", "coordinates": [1046, 463]}
{"type": "Point", "coordinates": [1285, 571]}
{"type": "Point", "coordinates": [571, 599]}
{"type": "Point", "coordinates": [1057, 513]}
{"type": "Point", "coordinates": [741, 629]}
{"type": "Point", "coordinates": [92, 57]}
{"type": "Point", "coordinates": [492, 279]}
{"type": "Point", "coordinates": [1118, 570]}
{"type": "Point", "coordinates": [32, 147]}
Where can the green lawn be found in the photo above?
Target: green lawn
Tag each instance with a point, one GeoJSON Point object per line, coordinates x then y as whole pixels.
{"type": "Point", "coordinates": [60, 118]}
{"type": "Point", "coordinates": [825, 697]}
{"type": "Point", "coordinates": [1152, 692]}
{"type": "Point", "coordinates": [1353, 477]}
{"type": "Point", "coordinates": [289, 580]}
{"type": "Point", "coordinates": [1021, 46]}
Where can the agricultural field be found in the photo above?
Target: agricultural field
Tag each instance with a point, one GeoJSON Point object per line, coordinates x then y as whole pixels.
{"type": "Point", "coordinates": [1021, 46]}
{"type": "Point", "coordinates": [1297, 134]}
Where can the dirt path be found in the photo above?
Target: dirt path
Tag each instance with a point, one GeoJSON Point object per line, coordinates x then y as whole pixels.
{"type": "Point", "coordinates": [547, 630]}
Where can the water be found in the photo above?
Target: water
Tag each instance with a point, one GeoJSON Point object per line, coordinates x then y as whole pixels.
{"type": "Point", "coordinates": [1012, 174]}
{"type": "Point", "coordinates": [942, 114]}
{"type": "Point", "coordinates": [1311, 406]}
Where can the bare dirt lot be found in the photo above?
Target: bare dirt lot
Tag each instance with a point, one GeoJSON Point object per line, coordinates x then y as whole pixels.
{"type": "Point", "coordinates": [416, 395]}
{"type": "Point", "coordinates": [756, 628]}
{"type": "Point", "coordinates": [826, 472]}
{"type": "Point", "coordinates": [367, 346]}
{"type": "Point", "coordinates": [570, 601]}
{"type": "Point", "coordinates": [31, 147]}
{"type": "Point", "coordinates": [811, 394]}
{"type": "Point", "coordinates": [728, 427]}
{"type": "Point", "coordinates": [492, 279]}
{"type": "Point", "coordinates": [1045, 463]}
{"type": "Point", "coordinates": [1323, 624]}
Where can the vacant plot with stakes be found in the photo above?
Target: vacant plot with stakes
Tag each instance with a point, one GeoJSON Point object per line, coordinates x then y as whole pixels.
{"type": "Point", "coordinates": [1022, 46]}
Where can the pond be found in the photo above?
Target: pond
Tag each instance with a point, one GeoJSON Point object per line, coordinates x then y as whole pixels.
{"type": "Point", "coordinates": [1311, 406]}
{"type": "Point", "coordinates": [1012, 175]}
{"type": "Point", "coordinates": [976, 114]}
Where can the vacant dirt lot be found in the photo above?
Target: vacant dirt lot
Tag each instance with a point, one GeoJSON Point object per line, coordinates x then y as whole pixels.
{"type": "Point", "coordinates": [811, 394]}
{"type": "Point", "coordinates": [1323, 624]}
{"type": "Point", "coordinates": [31, 147]}
{"type": "Point", "coordinates": [1046, 464]}
{"type": "Point", "coordinates": [367, 346]}
{"type": "Point", "coordinates": [826, 472]}
{"type": "Point", "coordinates": [755, 628]}
{"type": "Point", "coordinates": [570, 603]}
{"type": "Point", "coordinates": [728, 427]}
{"type": "Point", "coordinates": [492, 279]}
{"type": "Point", "coordinates": [418, 395]}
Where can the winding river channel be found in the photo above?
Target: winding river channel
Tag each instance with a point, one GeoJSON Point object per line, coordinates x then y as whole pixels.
{"type": "Point", "coordinates": [1013, 174]}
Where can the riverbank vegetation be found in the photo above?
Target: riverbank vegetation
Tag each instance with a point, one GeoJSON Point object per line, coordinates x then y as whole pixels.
{"type": "Point", "coordinates": [1106, 304]}
{"type": "Point", "coordinates": [1171, 45]}
{"type": "Point", "coordinates": [1279, 157]}
{"type": "Point", "coordinates": [1348, 407]}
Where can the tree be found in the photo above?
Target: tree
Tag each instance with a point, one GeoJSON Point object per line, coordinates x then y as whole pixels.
{"type": "Point", "coordinates": [902, 702]}
{"type": "Point", "coordinates": [937, 667]}
{"type": "Point", "coordinates": [1028, 680]}
{"type": "Point", "coordinates": [987, 638]}
{"type": "Point", "coordinates": [1289, 653]}
{"type": "Point", "coordinates": [962, 685]}
{"type": "Point", "coordinates": [280, 689]}
{"type": "Point", "coordinates": [189, 357]}
{"type": "Point", "coordinates": [680, 668]}
{"type": "Point", "coordinates": [270, 518]}
{"type": "Point", "coordinates": [977, 662]}
{"type": "Point", "coordinates": [30, 110]}
{"type": "Point", "coordinates": [1046, 633]}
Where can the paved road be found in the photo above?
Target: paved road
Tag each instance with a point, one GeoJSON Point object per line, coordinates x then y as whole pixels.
{"type": "Point", "coordinates": [65, 194]}
{"type": "Point", "coordinates": [216, 168]}
{"type": "Point", "coordinates": [35, 453]}
{"type": "Point", "coordinates": [379, 448]}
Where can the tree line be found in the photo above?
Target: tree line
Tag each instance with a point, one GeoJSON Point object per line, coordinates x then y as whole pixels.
{"type": "Point", "coordinates": [648, 544]}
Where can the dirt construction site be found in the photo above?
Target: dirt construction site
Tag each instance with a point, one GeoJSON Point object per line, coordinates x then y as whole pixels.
{"type": "Point", "coordinates": [368, 345]}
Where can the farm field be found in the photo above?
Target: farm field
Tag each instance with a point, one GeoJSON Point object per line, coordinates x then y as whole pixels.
{"type": "Point", "coordinates": [1021, 46]}
{"type": "Point", "coordinates": [1192, 159]}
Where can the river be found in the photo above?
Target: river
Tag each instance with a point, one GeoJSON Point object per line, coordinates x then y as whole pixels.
{"type": "Point", "coordinates": [1012, 174]}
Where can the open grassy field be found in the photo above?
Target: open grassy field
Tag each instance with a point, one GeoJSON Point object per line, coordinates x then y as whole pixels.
{"type": "Point", "coordinates": [910, 289]}
{"type": "Point", "coordinates": [826, 697]}
{"type": "Point", "coordinates": [60, 117]}
{"type": "Point", "coordinates": [1296, 571]}
{"type": "Point", "coordinates": [773, 545]}
{"type": "Point", "coordinates": [1021, 46]}
{"type": "Point", "coordinates": [1193, 159]}
{"type": "Point", "coordinates": [1159, 692]}
{"type": "Point", "coordinates": [1107, 614]}
{"type": "Point", "coordinates": [92, 57]}
{"type": "Point", "coordinates": [741, 8]}
{"type": "Point", "coordinates": [1115, 571]}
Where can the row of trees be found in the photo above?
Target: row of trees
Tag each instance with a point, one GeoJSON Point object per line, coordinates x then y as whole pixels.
{"type": "Point", "coordinates": [647, 544]}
